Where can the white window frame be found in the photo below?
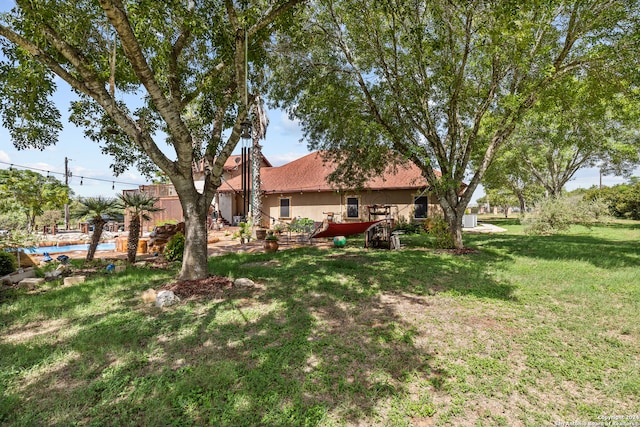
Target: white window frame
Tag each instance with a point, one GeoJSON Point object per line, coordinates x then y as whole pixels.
{"type": "Point", "coordinates": [280, 208]}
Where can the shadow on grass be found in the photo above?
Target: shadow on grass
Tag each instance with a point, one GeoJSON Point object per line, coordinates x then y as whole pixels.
{"type": "Point", "coordinates": [357, 273]}
{"type": "Point", "coordinates": [317, 340]}
{"type": "Point", "coordinates": [286, 364]}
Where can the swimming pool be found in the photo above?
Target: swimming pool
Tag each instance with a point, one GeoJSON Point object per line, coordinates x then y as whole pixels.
{"type": "Point", "coordinates": [57, 249]}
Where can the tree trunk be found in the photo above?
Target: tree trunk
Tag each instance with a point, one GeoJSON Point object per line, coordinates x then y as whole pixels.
{"type": "Point", "coordinates": [95, 238]}
{"type": "Point", "coordinates": [455, 227]}
{"type": "Point", "coordinates": [256, 154]}
{"type": "Point", "coordinates": [134, 237]}
{"type": "Point", "coordinates": [31, 222]}
{"type": "Point", "coordinates": [194, 262]}
{"type": "Point", "coordinates": [454, 220]}
{"type": "Point", "coordinates": [523, 203]}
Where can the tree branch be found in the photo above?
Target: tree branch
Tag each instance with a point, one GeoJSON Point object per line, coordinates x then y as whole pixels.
{"type": "Point", "coordinates": [271, 15]}
{"type": "Point", "coordinates": [170, 112]}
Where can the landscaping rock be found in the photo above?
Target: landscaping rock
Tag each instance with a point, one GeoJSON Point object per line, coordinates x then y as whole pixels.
{"type": "Point", "coordinates": [74, 280]}
{"type": "Point", "coordinates": [30, 283]}
{"type": "Point", "coordinates": [166, 299]}
{"type": "Point", "coordinates": [244, 283]}
{"type": "Point", "coordinates": [52, 274]}
{"type": "Point", "coordinates": [19, 275]}
{"type": "Point", "coordinates": [160, 235]}
{"type": "Point", "coordinates": [120, 268]}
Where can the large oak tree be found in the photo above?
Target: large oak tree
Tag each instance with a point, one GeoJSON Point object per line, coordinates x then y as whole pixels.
{"type": "Point", "coordinates": [143, 70]}
{"type": "Point", "coordinates": [582, 123]}
{"type": "Point", "coordinates": [440, 82]}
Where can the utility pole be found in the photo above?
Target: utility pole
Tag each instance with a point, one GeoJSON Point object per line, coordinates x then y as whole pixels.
{"type": "Point", "coordinates": [66, 182]}
{"type": "Point", "coordinates": [601, 178]}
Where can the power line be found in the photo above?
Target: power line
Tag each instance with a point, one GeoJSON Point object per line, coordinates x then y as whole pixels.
{"type": "Point", "coordinates": [82, 177]}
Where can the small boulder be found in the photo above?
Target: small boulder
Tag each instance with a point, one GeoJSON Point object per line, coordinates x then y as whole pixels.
{"type": "Point", "coordinates": [166, 299]}
{"type": "Point", "coordinates": [244, 283]}
{"type": "Point", "coordinates": [73, 280]}
{"type": "Point", "coordinates": [52, 274]}
{"type": "Point", "coordinates": [30, 283]}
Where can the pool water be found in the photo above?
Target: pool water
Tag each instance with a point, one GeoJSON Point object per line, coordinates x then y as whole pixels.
{"type": "Point", "coordinates": [57, 249]}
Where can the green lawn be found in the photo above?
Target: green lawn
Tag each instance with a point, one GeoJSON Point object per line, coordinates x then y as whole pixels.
{"type": "Point", "coordinates": [527, 331]}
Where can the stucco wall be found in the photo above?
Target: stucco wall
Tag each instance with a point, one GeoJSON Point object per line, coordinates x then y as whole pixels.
{"type": "Point", "coordinates": [314, 205]}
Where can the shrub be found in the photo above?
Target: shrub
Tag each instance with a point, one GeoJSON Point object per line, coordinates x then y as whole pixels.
{"type": "Point", "coordinates": [623, 200]}
{"type": "Point", "coordinates": [439, 229]}
{"type": "Point", "coordinates": [302, 225]}
{"type": "Point", "coordinates": [556, 215]}
{"type": "Point", "coordinates": [175, 248]}
{"type": "Point", "coordinates": [8, 263]}
{"type": "Point", "coordinates": [407, 227]}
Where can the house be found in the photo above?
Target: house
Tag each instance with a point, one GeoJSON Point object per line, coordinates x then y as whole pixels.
{"type": "Point", "coordinates": [168, 198]}
{"type": "Point", "coordinates": [300, 189]}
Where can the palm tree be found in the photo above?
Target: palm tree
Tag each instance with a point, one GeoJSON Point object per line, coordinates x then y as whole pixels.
{"type": "Point", "coordinates": [96, 208]}
{"type": "Point", "coordinates": [260, 124]}
{"type": "Point", "coordinates": [139, 206]}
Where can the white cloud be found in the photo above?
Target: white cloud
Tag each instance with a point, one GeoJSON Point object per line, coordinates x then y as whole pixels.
{"type": "Point", "coordinates": [4, 157]}
{"type": "Point", "coordinates": [43, 168]}
{"type": "Point", "coordinates": [283, 158]}
{"type": "Point", "coordinates": [288, 124]}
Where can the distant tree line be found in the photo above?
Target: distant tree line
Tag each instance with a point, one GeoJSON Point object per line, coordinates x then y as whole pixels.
{"type": "Point", "coordinates": [623, 200]}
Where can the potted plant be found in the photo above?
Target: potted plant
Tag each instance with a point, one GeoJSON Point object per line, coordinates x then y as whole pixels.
{"type": "Point", "coordinates": [271, 243]}
{"type": "Point", "coordinates": [261, 233]}
{"type": "Point", "coordinates": [279, 228]}
{"type": "Point", "coordinates": [244, 232]}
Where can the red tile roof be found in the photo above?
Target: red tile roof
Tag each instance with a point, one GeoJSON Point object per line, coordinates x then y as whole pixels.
{"type": "Point", "coordinates": [309, 173]}
{"type": "Point", "coordinates": [234, 160]}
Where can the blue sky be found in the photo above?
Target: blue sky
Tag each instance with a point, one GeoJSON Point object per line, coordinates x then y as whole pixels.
{"type": "Point", "coordinates": [87, 163]}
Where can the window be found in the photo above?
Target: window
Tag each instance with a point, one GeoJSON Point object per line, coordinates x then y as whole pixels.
{"type": "Point", "coordinates": [285, 208]}
{"type": "Point", "coordinates": [352, 207]}
{"type": "Point", "coordinates": [420, 207]}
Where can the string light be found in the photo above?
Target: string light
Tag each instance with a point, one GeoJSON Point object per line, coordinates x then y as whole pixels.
{"type": "Point", "coordinates": [49, 174]}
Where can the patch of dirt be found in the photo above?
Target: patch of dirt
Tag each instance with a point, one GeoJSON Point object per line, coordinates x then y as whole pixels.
{"type": "Point", "coordinates": [208, 287]}
{"type": "Point", "coordinates": [270, 263]}
{"type": "Point", "coordinates": [23, 334]}
{"type": "Point", "coordinates": [463, 251]}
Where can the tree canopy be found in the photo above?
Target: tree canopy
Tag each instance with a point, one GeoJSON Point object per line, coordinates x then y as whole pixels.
{"type": "Point", "coordinates": [31, 193]}
{"type": "Point", "coordinates": [158, 85]}
{"type": "Point", "coordinates": [580, 123]}
{"type": "Point", "coordinates": [442, 82]}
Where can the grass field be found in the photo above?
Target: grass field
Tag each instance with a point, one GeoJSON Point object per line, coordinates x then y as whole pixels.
{"type": "Point", "coordinates": [527, 331]}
